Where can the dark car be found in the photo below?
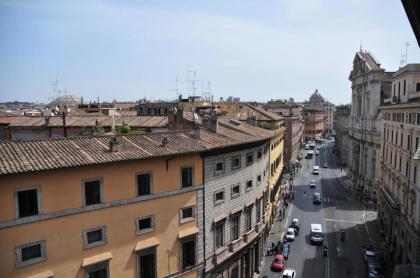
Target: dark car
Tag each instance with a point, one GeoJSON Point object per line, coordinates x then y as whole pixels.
{"type": "Point", "coordinates": [286, 250]}
{"type": "Point", "coordinates": [316, 198]}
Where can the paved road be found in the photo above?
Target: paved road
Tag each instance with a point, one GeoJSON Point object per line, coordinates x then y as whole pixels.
{"type": "Point", "coordinates": [338, 212]}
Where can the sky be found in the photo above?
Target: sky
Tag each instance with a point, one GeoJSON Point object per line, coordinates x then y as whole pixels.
{"type": "Point", "coordinates": [255, 50]}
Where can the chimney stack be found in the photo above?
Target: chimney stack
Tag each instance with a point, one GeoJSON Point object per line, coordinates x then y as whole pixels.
{"type": "Point", "coordinates": [252, 120]}
{"type": "Point", "coordinates": [211, 123]}
{"type": "Point", "coordinates": [198, 133]}
{"type": "Point", "coordinates": [165, 141]}
{"type": "Point", "coordinates": [47, 121]}
{"type": "Point", "coordinates": [114, 145]}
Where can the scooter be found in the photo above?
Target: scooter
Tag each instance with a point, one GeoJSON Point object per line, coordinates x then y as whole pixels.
{"type": "Point", "coordinates": [343, 236]}
{"type": "Point", "coordinates": [325, 251]}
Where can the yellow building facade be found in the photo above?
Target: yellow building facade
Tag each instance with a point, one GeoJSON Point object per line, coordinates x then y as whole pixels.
{"type": "Point", "coordinates": [134, 224]}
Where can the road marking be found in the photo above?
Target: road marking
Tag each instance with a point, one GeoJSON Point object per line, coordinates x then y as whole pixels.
{"type": "Point", "coordinates": [343, 221]}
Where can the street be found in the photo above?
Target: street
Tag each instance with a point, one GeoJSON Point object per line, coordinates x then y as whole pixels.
{"type": "Point", "coordinates": [338, 212]}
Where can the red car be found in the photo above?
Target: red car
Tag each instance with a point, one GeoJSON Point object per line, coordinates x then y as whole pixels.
{"type": "Point", "coordinates": [278, 263]}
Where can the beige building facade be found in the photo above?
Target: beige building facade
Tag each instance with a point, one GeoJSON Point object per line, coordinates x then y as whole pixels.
{"type": "Point", "coordinates": [399, 198]}
{"type": "Point", "coordinates": [370, 86]}
{"type": "Point", "coordinates": [341, 125]}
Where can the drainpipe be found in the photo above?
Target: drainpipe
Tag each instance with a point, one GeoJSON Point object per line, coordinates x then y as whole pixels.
{"type": "Point", "coordinates": [204, 219]}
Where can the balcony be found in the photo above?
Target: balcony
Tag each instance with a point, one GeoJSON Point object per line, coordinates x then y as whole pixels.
{"type": "Point", "coordinates": [220, 255]}
{"type": "Point", "coordinates": [235, 245]}
{"type": "Point", "coordinates": [393, 202]}
{"type": "Point", "coordinates": [249, 236]}
{"type": "Point", "coordinates": [259, 226]}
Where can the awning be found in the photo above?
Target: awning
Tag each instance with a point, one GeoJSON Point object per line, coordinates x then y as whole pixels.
{"type": "Point", "coordinates": [187, 232]}
{"type": "Point", "coordinates": [97, 259]}
{"type": "Point", "coordinates": [219, 218]}
{"type": "Point", "coordinates": [45, 274]}
{"type": "Point", "coordinates": [235, 211]}
{"type": "Point", "coordinates": [147, 243]}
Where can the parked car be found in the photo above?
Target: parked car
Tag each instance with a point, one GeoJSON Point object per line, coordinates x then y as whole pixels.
{"type": "Point", "coordinates": [316, 198]}
{"type": "Point", "coordinates": [278, 263]}
{"type": "Point", "coordinates": [290, 234]}
{"type": "Point", "coordinates": [289, 273]}
{"type": "Point", "coordinates": [285, 250]}
{"type": "Point", "coordinates": [295, 221]}
{"type": "Point", "coordinates": [315, 170]}
{"type": "Point", "coordinates": [312, 184]}
{"type": "Point", "coordinates": [316, 152]}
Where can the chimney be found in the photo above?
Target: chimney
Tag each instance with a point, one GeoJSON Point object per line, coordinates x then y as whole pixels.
{"type": "Point", "coordinates": [211, 123]}
{"type": "Point", "coordinates": [47, 121]}
{"type": "Point", "coordinates": [198, 133]}
{"type": "Point", "coordinates": [114, 145]}
{"type": "Point", "coordinates": [165, 141]}
{"type": "Point", "coordinates": [176, 118]}
{"type": "Point", "coordinates": [252, 120]}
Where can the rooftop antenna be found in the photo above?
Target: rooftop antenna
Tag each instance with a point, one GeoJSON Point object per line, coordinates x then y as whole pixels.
{"type": "Point", "coordinates": [361, 46]}
{"type": "Point", "coordinates": [176, 87]}
{"type": "Point", "coordinates": [54, 84]}
{"type": "Point", "coordinates": [406, 52]}
{"type": "Point", "coordinates": [191, 83]}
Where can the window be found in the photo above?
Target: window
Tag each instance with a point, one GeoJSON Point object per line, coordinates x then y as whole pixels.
{"type": "Point", "coordinates": [187, 214]}
{"type": "Point", "coordinates": [236, 190]}
{"type": "Point", "coordinates": [187, 176]}
{"type": "Point", "coordinates": [417, 87]}
{"type": "Point", "coordinates": [188, 253]}
{"type": "Point", "coordinates": [144, 184]}
{"type": "Point", "coordinates": [219, 197]}
{"type": "Point", "coordinates": [99, 270]}
{"type": "Point", "coordinates": [219, 167]}
{"type": "Point", "coordinates": [415, 174]}
{"type": "Point", "coordinates": [93, 192]}
{"type": "Point", "coordinates": [234, 226]}
{"type": "Point", "coordinates": [259, 154]}
{"type": "Point", "coordinates": [236, 162]}
{"type": "Point", "coordinates": [249, 159]}
{"type": "Point", "coordinates": [259, 179]}
{"type": "Point", "coordinates": [248, 219]}
{"type": "Point", "coordinates": [248, 185]}
{"type": "Point", "coordinates": [146, 263]}
{"type": "Point", "coordinates": [94, 237]}
{"type": "Point", "coordinates": [401, 139]}
{"type": "Point", "coordinates": [145, 224]}
{"type": "Point", "coordinates": [30, 253]}
{"type": "Point", "coordinates": [258, 211]}
{"type": "Point", "coordinates": [28, 202]}
{"type": "Point", "coordinates": [417, 144]}
{"type": "Point", "coordinates": [219, 235]}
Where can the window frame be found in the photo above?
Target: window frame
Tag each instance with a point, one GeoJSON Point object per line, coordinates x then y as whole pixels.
{"type": "Point", "coordinates": [150, 173]}
{"type": "Point", "coordinates": [239, 159]}
{"type": "Point", "coordinates": [96, 267]}
{"type": "Point", "coordinates": [219, 172]}
{"type": "Point", "coordinates": [87, 245]}
{"type": "Point", "coordinates": [18, 251]}
{"type": "Point", "coordinates": [247, 155]}
{"type": "Point", "coordinates": [16, 200]}
{"type": "Point", "coordinates": [192, 175]}
{"type": "Point", "coordinates": [235, 195]}
{"type": "Point", "coordinates": [236, 216]}
{"type": "Point", "coordinates": [187, 219]}
{"type": "Point", "coordinates": [216, 226]}
{"type": "Point", "coordinates": [182, 242]}
{"type": "Point", "coordinates": [259, 153]}
{"type": "Point", "coordinates": [249, 188]}
{"type": "Point", "coordinates": [101, 190]}
{"type": "Point", "coordinates": [218, 202]}
{"type": "Point", "coordinates": [148, 230]}
{"type": "Point", "coordinates": [260, 181]}
{"type": "Point", "coordinates": [146, 252]}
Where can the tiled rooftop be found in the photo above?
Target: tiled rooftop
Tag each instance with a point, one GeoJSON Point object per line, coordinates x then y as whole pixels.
{"type": "Point", "coordinates": [47, 154]}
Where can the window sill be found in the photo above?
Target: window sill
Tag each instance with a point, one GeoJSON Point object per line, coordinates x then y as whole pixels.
{"type": "Point", "coordinates": [94, 244]}
{"type": "Point", "coordinates": [236, 195]}
{"type": "Point", "coordinates": [145, 231]}
{"type": "Point", "coordinates": [186, 220]}
{"type": "Point", "coordinates": [216, 203]}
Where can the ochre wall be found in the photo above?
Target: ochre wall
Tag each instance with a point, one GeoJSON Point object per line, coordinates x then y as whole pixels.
{"type": "Point", "coordinates": [61, 189]}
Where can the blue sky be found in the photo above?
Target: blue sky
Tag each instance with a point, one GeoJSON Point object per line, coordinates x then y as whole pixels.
{"type": "Point", "coordinates": [256, 50]}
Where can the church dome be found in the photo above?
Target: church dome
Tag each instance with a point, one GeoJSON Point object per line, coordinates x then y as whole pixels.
{"type": "Point", "coordinates": [316, 97]}
{"type": "Point", "coordinates": [67, 100]}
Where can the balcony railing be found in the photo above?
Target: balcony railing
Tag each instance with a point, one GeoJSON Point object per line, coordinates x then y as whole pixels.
{"type": "Point", "coordinates": [393, 202]}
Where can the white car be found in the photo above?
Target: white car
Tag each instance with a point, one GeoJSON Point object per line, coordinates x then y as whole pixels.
{"type": "Point", "coordinates": [290, 234]}
{"type": "Point", "coordinates": [316, 152]}
{"type": "Point", "coordinates": [312, 184]}
{"type": "Point", "coordinates": [289, 273]}
{"type": "Point", "coordinates": [295, 221]}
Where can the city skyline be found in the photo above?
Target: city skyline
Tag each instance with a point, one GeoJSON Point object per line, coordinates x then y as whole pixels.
{"type": "Point", "coordinates": [129, 51]}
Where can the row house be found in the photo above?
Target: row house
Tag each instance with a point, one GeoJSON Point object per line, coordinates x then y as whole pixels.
{"type": "Point", "coordinates": [399, 198]}
{"type": "Point", "coordinates": [186, 203]}
{"type": "Point", "coordinates": [341, 124]}
{"type": "Point", "coordinates": [370, 86]}
{"type": "Point", "coordinates": [313, 118]}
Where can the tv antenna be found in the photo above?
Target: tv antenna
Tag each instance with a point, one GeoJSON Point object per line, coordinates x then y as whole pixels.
{"type": "Point", "coordinates": [404, 57]}
{"type": "Point", "coordinates": [191, 83]}
{"type": "Point", "coordinates": [176, 90]}
{"type": "Point", "coordinates": [54, 84]}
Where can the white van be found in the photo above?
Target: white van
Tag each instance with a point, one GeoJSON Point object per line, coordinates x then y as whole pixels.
{"type": "Point", "coordinates": [315, 171]}
{"type": "Point", "coordinates": [316, 235]}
